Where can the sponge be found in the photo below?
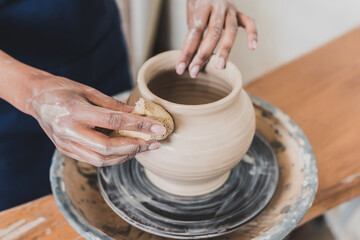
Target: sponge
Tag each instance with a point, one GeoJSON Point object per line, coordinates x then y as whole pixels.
{"type": "Point", "coordinates": [149, 109]}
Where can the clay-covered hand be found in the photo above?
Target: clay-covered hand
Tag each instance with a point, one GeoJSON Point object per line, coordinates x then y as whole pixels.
{"type": "Point", "coordinates": [220, 17]}
{"type": "Point", "coordinates": [69, 111]}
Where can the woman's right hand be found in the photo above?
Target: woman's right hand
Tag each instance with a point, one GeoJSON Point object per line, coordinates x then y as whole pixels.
{"type": "Point", "coordinates": [69, 112]}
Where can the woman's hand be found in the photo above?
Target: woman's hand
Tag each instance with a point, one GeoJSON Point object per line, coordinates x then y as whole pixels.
{"type": "Point", "coordinates": [215, 15]}
{"type": "Point", "coordinates": [69, 111]}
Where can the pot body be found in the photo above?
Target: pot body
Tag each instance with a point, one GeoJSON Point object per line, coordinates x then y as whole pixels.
{"type": "Point", "coordinates": [214, 125]}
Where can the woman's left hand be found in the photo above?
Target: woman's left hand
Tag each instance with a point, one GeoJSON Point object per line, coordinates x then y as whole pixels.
{"type": "Point", "coordinates": [221, 17]}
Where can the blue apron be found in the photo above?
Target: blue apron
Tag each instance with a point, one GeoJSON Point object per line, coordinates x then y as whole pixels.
{"type": "Point", "coordinates": [77, 39]}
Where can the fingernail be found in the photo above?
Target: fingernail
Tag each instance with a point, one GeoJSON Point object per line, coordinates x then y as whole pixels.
{"type": "Point", "coordinates": [220, 63]}
{"type": "Point", "coordinates": [194, 71]}
{"type": "Point", "coordinates": [254, 44]}
{"type": "Point", "coordinates": [154, 146]}
{"type": "Point", "coordinates": [158, 130]}
{"type": "Point", "coordinates": [180, 68]}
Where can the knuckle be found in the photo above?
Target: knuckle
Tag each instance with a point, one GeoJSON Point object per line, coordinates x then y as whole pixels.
{"type": "Point", "coordinates": [203, 57]}
{"type": "Point", "coordinates": [119, 104]}
{"type": "Point", "coordinates": [196, 30]}
{"type": "Point", "coordinates": [134, 150]}
{"type": "Point", "coordinates": [188, 56]}
{"type": "Point", "coordinates": [215, 33]}
{"type": "Point", "coordinates": [226, 49]}
{"type": "Point", "coordinates": [139, 126]}
{"type": "Point", "coordinates": [114, 120]}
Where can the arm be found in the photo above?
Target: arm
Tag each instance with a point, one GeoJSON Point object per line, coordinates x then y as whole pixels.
{"type": "Point", "coordinates": [17, 81]}
{"type": "Point", "coordinates": [69, 111]}
{"type": "Point", "coordinates": [221, 18]}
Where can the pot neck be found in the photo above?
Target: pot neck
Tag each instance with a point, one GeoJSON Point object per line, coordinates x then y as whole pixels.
{"type": "Point", "coordinates": [228, 79]}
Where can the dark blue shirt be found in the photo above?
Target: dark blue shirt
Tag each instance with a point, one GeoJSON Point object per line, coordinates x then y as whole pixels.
{"type": "Point", "coordinates": [77, 39]}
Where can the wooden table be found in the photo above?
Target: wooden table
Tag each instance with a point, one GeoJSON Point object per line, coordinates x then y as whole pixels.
{"type": "Point", "coordinates": [320, 91]}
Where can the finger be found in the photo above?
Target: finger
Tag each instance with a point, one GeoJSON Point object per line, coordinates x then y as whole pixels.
{"type": "Point", "coordinates": [100, 117]}
{"type": "Point", "coordinates": [250, 28]}
{"type": "Point", "coordinates": [79, 153]}
{"type": "Point", "coordinates": [104, 145]}
{"type": "Point", "coordinates": [85, 155]}
{"type": "Point", "coordinates": [192, 40]}
{"type": "Point", "coordinates": [228, 39]}
{"type": "Point", "coordinates": [209, 42]}
{"type": "Point", "coordinates": [99, 99]}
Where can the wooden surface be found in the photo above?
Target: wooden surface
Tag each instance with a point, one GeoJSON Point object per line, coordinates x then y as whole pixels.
{"type": "Point", "coordinates": [39, 219]}
{"type": "Point", "coordinates": [320, 91]}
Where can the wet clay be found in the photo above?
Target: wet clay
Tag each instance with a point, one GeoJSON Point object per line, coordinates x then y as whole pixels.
{"type": "Point", "coordinates": [76, 190]}
{"type": "Point", "coordinates": [214, 125]}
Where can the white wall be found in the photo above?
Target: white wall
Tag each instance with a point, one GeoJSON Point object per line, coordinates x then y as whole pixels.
{"type": "Point", "coordinates": [287, 29]}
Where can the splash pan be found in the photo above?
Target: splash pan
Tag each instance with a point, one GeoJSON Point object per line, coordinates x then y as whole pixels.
{"type": "Point", "coordinates": [77, 193]}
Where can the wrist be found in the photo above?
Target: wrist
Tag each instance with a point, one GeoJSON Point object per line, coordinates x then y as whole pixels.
{"type": "Point", "coordinates": [33, 81]}
{"type": "Point", "coordinates": [18, 82]}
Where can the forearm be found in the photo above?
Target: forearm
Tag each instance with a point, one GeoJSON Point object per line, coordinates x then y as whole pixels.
{"type": "Point", "coordinates": [17, 81]}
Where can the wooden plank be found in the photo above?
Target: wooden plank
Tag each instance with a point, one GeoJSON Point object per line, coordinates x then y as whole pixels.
{"type": "Point", "coordinates": [39, 219]}
{"type": "Point", "coordinates": [321, 92]}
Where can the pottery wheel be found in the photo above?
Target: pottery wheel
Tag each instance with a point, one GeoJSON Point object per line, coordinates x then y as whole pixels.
{"type": "Point", "coordinates": [247, 191]}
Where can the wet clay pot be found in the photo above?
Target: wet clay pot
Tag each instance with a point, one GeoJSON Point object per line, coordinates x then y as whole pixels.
{"type": "Point", "coordinates": [214, 124]}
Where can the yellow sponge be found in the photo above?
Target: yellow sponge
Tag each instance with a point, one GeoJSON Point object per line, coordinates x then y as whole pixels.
{"type": "Point", "coordinates": [151, 110]}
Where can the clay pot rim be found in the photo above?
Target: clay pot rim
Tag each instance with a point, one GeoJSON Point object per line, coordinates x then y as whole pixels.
{"type": "Point", "coordinates": [235, 82]}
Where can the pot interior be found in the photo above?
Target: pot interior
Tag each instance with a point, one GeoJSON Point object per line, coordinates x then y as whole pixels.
{"type": "Point", "coordinates": [206, 88]}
